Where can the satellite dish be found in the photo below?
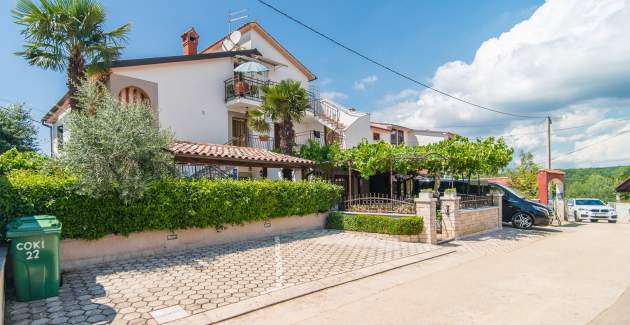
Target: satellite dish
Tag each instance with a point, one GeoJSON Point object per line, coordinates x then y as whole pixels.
{"type": "Point", "coordinates": [227, 45]}
{"type": "Point", "coordinates": [235, 37]}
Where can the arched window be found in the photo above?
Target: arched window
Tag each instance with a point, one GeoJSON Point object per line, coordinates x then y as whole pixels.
{"type": "Point", "coordinates": [133, 94]}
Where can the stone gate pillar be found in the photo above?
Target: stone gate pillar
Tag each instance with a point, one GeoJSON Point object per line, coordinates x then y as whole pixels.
{"type": "Point", "coordinates": [426, 206]}
{"type": "Point", "coordinates": [451, 223]}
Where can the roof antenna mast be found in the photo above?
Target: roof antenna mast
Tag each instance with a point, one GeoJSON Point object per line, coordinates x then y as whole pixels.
{"type": "Point", "coordinates": [234, 16]}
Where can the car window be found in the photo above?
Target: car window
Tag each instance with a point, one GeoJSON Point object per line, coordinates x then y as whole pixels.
{"type": "Point", "coordinates": [589, 202]}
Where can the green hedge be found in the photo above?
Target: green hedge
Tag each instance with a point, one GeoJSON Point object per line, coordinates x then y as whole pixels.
{"type": "Point", "coordinates": [167, 204]}
{"type": "Point", "coordinates": [375, 224]}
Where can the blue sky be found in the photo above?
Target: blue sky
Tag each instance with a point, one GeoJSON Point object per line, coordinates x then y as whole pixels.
{"type": "Point", "coordinates": [418, 37]}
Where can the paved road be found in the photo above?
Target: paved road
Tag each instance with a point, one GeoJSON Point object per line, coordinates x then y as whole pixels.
{"type": "Point", "coordinates": [573, 277]}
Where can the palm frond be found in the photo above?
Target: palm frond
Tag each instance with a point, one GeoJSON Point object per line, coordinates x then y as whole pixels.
{"type": "Point", "coordinates": [257, 121]}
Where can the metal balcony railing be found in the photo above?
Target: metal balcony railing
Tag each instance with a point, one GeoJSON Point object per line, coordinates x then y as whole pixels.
{"type": "Point", "coordinates": [253, 141]}
{"type": "Point", "coordinates": [303, 138]}
{"type": "Point", "coordinates": [245, 87]}
{"type": "Point", "coordinates": [250, 88]}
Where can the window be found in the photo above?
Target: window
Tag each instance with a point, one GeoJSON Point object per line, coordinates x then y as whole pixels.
{"type": "Point", "coordinates": [60, 136]}
{"type": "Point", "coordinates": [376, 136]}
{"type": "Point", "coordinates": [397, 137]}
{"type": "Point", "coordinates": [133, 94]}
{"type": "Point", "coordinates": [316, 134]}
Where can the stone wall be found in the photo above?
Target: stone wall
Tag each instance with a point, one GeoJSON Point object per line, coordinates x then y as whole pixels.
{"type": "Point", "coordinates": [473, 221]}
{"type": "Point", "coordinates": [458, 222]}
{"type": "Point", "coordinates": [80, 253]}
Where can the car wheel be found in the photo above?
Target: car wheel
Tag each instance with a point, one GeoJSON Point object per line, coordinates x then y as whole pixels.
{"type": "Point", "coordinates": [593, 220]}
{"type": "Point", "coordinates": [522, 220]}
{"type": "Point", "coordinates": [575, 217]}
{"type": "Point", "coordinates": [612, 221]}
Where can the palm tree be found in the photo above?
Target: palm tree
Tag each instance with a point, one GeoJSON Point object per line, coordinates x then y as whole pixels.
{"type": "Point", "coordinates": [68, 34]}
{"type": "Point", "coordinates": [284, 104]}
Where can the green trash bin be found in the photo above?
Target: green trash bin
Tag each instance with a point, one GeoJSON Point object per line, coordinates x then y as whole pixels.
{"type": "Point", "coordinates": [35, 256]}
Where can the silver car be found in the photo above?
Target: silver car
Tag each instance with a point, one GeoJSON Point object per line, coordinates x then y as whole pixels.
{"type": "Point", "coordinates": [590, 209]}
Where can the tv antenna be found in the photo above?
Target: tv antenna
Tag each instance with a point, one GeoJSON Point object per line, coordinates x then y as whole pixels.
{"type": "Point", "coordinates": [234, 16]}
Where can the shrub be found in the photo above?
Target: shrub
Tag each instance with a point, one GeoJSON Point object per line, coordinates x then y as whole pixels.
{"type": "Point", "coordinates": [450, 190]}
{"type": "Point", "coordinates": [167, 204]}
{"type": "Point", "coordinates": [115, 148]}
{"type": "Point", "coordinates": [14, 159]}
{"type": "Point", "coordinates": [375, 224]}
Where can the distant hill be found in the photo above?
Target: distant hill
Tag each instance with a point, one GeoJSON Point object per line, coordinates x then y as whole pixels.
{"type": "Point", "coordinates": [594, 182]}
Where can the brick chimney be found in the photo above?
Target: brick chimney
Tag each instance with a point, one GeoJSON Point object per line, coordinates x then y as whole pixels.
{"type": "Point", "coordinates": [190, 40]}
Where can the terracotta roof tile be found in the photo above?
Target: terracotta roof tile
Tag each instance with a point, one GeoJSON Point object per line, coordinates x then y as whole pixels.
{"type": "Point", "coordinates": [224, 151]}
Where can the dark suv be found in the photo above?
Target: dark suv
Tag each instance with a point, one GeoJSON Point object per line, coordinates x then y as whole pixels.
{"type": "Point", "coordinates": [522, 213]}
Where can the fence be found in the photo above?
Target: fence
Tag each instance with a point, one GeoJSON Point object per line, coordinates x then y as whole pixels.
{"type": "Point", "coordinates": [476, 202]}
{"type": "Point", "coordinates": [200, 171]}
{"type": "Point", "coordinates": [378, 203]}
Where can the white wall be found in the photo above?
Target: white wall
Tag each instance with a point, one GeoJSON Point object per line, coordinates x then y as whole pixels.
{"type": "Point", "coordinates": [191, 97]}
{"type": "Point", "coordinates": [357, 131]}
{"type": "Point", "coordinates": [268, 51]}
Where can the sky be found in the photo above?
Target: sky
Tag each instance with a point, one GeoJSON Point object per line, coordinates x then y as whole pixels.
{"type": "Point", "coordinates": [566, 59]}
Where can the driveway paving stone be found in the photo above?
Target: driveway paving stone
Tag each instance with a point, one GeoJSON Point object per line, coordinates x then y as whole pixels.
{"type": "Point", "coordinates": [206, 278]}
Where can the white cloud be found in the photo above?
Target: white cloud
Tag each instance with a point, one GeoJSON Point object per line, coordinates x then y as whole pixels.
{"type": "Point", "coordinates": [325, 81]}
{"type": "Point", "coordinates": [570, 60]}
{"type": "Point", "coordinates": [404, 94]}
{"type": "Point", "coordinates": [334, 95]}
{"type": "Point", "coordinates": [365, 82]}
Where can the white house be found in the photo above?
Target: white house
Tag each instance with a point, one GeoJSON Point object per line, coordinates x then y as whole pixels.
{"type": "Point", "coordinates": [205, 103]}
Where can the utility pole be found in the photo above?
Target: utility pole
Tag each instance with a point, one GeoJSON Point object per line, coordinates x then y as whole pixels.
{"type": "Point", "coordinates": [548, 122]}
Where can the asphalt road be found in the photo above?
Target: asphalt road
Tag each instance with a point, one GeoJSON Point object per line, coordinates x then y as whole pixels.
{"type": "Point", "coordinates": [578, 276]}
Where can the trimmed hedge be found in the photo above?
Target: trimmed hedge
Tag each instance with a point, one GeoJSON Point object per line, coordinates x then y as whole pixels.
{"type": "Point", "coordinates": [167, 204]}
{"type": "Point", "coordinates": [409, 225]}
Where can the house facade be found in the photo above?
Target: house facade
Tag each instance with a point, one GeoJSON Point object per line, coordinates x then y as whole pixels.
{"type": "Point", "coordinates": [199, 96]}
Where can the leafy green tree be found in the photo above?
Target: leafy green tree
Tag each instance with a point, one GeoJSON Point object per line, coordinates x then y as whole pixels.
{"type": "Point", "coordinates": [595, 182]}
{"type": "Point", "coordinates": [524, 176]}
{"type": "Point", "coordinates": [70, 35]}
{"type": "Point", "coordinates": [119, 148]}
{"type": "Point", "coordinates": [284, 103]}
{"type": "Point", "coordinates": [17, 129]}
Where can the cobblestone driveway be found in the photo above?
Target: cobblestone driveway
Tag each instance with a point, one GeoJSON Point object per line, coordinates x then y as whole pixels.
{"type": "Point", "coordinates": [206, 278]}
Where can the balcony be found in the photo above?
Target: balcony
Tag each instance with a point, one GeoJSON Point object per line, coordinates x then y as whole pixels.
{"type": "Point", "coordinates": [243, 92]}
{"type": "Point", "coordinates": [253, 141]}
{"type": "Point", "coordinates": [303, 138]}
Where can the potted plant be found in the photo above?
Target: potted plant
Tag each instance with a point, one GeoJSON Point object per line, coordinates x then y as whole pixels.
{"type": "Point", "coordinates": [450, 193]}
{"type": "Point", "coordinates": [230, 90]}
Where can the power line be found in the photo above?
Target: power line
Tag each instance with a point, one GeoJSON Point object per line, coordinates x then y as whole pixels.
{"type": "Point", "coordinates": [592, 144]}
{"type": "Point", "coordinates": [392, 70]}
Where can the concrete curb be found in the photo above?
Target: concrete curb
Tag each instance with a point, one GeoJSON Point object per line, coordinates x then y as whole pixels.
{"type": "Point", "coordinates": [292, 292]}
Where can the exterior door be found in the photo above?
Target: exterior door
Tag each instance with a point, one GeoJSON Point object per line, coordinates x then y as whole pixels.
{"type": "Point", "coordinates": [239, 132]}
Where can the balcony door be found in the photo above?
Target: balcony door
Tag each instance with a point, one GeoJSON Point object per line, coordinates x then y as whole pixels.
{"type": "Point", "coordinates": [239, 132]}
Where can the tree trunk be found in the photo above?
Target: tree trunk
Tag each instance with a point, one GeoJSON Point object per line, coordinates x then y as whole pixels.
{"type": "Point", "coordinates": [436, 185]}
{"type": "Point", "coordinates": [287, 135]}
{"type": "Point", "coordinates": [76, 75]}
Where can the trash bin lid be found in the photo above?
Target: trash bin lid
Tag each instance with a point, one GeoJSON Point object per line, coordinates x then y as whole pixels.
{"type": "Point", "coordinates": [33, 226]}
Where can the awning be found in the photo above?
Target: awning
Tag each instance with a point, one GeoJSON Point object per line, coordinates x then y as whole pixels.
{"type": "Point", "coordinates": [223, 154]}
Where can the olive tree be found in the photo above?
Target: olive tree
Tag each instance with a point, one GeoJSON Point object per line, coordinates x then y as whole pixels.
{"type": "Point", "coordinates": [118, 147]}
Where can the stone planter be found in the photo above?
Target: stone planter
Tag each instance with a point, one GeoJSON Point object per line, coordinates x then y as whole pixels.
{"type": "Point", "coordinates": [425, 195]}
{"type": "Point", "coordinates": [450, 195]}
